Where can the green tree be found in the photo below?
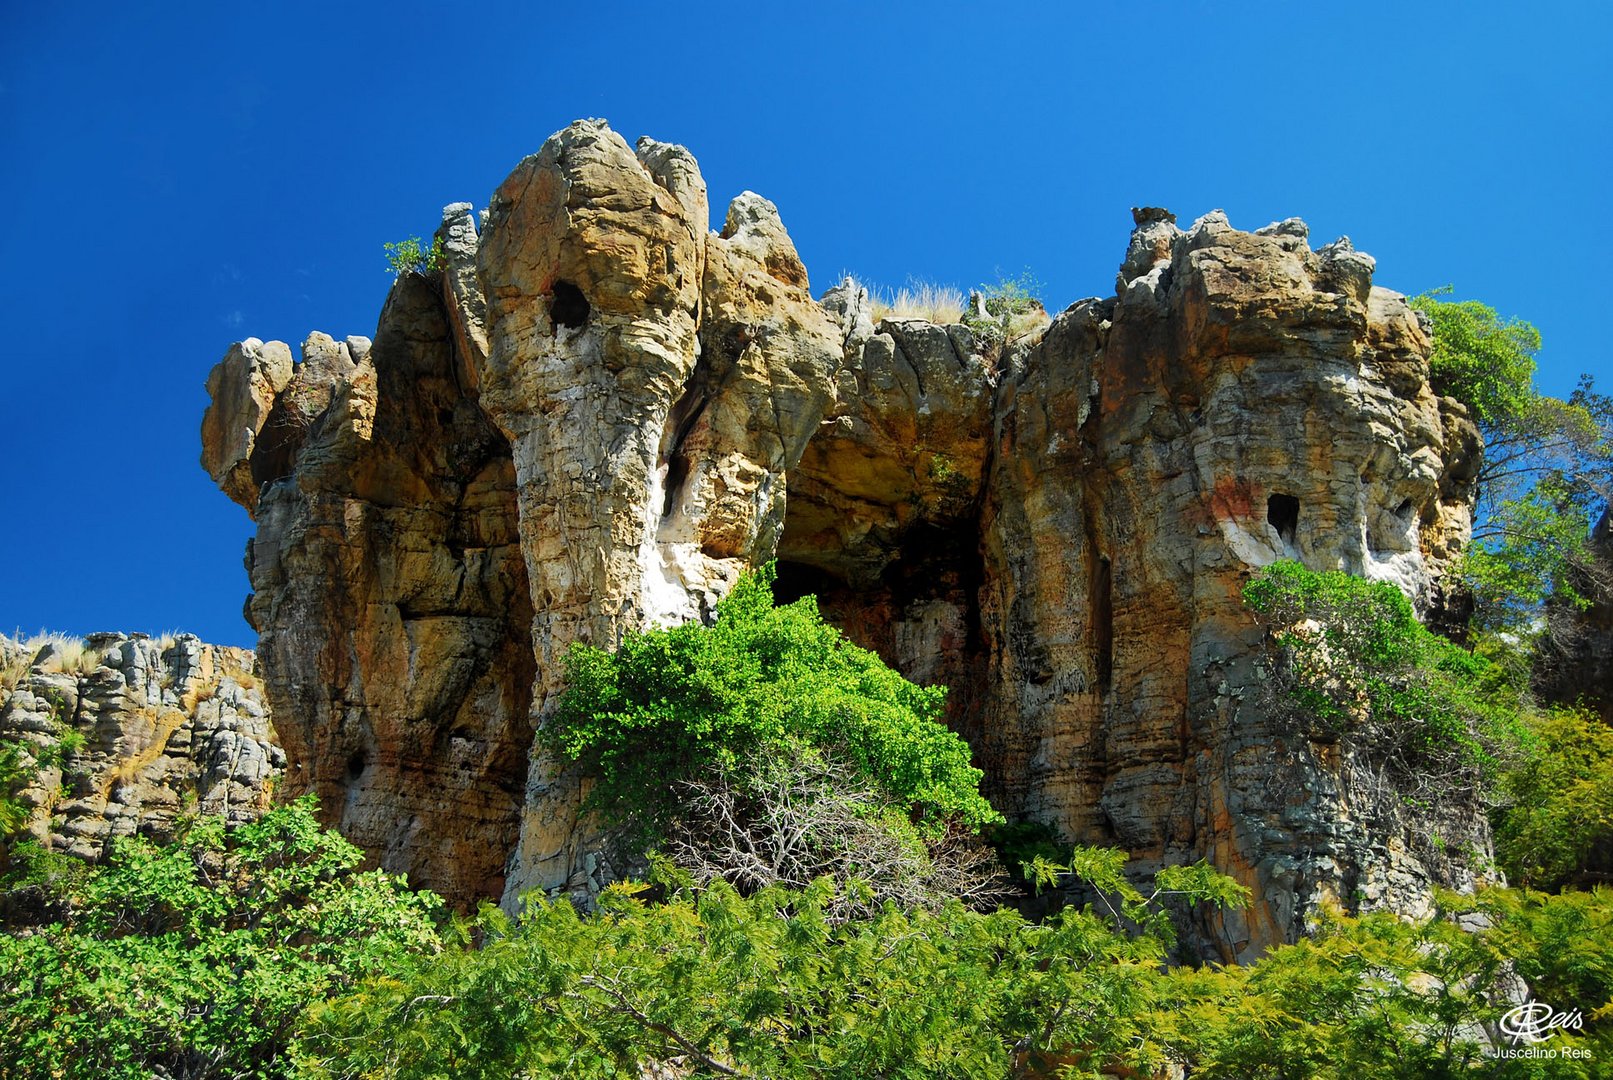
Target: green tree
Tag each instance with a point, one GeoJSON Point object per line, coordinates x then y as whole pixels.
{"type": "Point", "coordinates": [1556, 826]}
{"type": "Point", "coordinates": [769, 985]}
{"type": "Point", "coordinates": [1547, 462]}
{"type": "Point", "coordinates": [408, 257]}
{"type": "Point", "coordinates": [1351, 662]}
{"type": "Point", "coordinates": [761, 684]}
{"type": "Point", "coordinates": [196, 959]}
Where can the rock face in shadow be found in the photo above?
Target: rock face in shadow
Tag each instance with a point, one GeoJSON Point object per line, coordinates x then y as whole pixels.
{"type": "Point", "coordinates": [166, 727]}
{"type": "Point", "coordinates": [596, 413]}
{"type": "Point", "coordinates": [390, 597]}
{"type": "Point", "coordinates": [1575, 664]}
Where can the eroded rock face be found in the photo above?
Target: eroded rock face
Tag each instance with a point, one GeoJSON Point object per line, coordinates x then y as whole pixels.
{"type": "Point", "coordinates": [1243, 399]}
{"type": "Point", "coordinates": [390, 596]}
{"type": "Point", "coordinates": [598, 413]}
{"type": "Point", "coordinates": [656, 384]}
{"type": "Point", "coordinates": [168, 726]}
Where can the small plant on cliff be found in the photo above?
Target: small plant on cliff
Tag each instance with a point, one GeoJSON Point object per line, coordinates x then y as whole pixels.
{"type": "Point", "coordinates": [1005, 310]}
{"type": "Point", "coordinates": [408, 257]}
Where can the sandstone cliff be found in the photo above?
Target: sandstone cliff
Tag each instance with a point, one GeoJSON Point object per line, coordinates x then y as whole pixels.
{"type": "Point", "coordinates": [598, 413]}
{"type": "Point", "coordinates": [168, 727]}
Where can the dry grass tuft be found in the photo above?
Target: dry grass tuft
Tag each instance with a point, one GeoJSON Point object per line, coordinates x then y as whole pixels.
{"type": "Point", "coordinates": [68, 655]}
{"type": "Point", "coordinates": [14, 661]}
{"type": "Point", "coordinates": [942, 304]}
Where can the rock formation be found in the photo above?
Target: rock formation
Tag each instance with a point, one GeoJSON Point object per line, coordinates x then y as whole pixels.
{"type": "Point", "coordinates": [168, 726]}
{"type": "Point", "coordinates": [597, 413]}
{"type": "Point", "coordinates": [1575, 664]}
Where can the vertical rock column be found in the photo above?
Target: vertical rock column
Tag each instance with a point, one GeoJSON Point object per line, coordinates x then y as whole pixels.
{"type": "Point", "coordinates": [1243, 399]}
{"type": "Point", "coordinates": [655, 384]}
{"type": "Point", "coordinates": [389, 590]}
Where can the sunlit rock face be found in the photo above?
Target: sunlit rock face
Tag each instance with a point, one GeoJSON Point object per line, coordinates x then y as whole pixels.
{"type": "Point", "coordinates": [595, 413]}
{"type": "Point", "coordinates": [1243, 399]}
{"type": "Point", "coordinates": [162, 728]}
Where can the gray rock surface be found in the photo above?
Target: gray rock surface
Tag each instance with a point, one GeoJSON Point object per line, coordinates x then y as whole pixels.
{"type": "Point", "coordinates": [169, 727]}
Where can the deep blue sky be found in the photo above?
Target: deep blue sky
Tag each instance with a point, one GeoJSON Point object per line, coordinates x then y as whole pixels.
{"type": "Point", "coordinates": [182, 177]}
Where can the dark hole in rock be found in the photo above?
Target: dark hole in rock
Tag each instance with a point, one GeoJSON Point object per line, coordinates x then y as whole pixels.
{"type": "Point", "coordinates": [1403, 511]}
{"type": "Point", "coordinates": [1103, 624]}
{"type": "Point", "coordinates": [1283, 513]}
{"type": "Point", "coordinates": [355, 764]}
{"type": "Point", "coordinates": [568, 307]}
{"type": "Point", "coordinates": [445, 417]}
{"type": "Point", "coordinates": [794, 580]}
{"type": "Point", "coordinates": [677, 471]}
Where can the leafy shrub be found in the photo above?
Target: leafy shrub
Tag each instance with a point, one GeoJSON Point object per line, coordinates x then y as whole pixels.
{"type": "Point", "coordinates": [1004, 311]}
{"type": "Point", "coordinates": [1351, 662]}
{"type": "Point", "coordinates": [408, 257]}
{"type": "Point", "coordinates": [767, 985]}
{"type": "Point", "coordinates": [1556, 825]}
{"type": "Point", "coordinates": [761, 683]}
{"type": "Point", "coordinates": [1104, 870]}
{"type": "Point", "coordinates": [714, 983]}
{"type": "Point", "coordinates": [790, 820]}
{"type": "Point", "coordinates": [196, 959]}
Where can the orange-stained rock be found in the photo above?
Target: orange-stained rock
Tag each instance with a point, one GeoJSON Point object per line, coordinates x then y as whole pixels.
{"type": "Point", "coordinates": [597, 413]}
{"type": "Point", "coordinates": [391, 601]}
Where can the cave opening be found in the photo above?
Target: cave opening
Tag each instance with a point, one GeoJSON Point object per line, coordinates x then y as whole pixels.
{"type": "Point", "coordinates": [568, 307]}
{"type": "Point", "coordinates": [356, 763]}
{"type": "Point", "coordinates": [1103, 624]}
{"type": "Point", "coordinates": [793, 580]}
{"type": "Point", "coordinates": [1282, 512]}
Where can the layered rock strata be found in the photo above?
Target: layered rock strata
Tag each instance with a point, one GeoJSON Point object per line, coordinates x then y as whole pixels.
{"type": "Point", "coordinates": [596, 413]}
{"type": "Point", "coordinates": [162, 728]}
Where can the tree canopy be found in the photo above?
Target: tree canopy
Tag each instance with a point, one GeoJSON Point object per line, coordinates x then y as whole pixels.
{"type": "Point", "coordinates": [1548, 462]}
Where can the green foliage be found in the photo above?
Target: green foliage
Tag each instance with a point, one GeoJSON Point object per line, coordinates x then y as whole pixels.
{"type": "Point", "coordinates": [1542, 534]}
{"type": "Point", "coordinates": [1353, 663]}
{"type": "Point", "coordinates": [1385, 996]}
{"type": "Point", "coordinates": [1547, 462]}
{"type": "Point", "coordinates": [197, 958]}
{"type": "Point", "coordinates": [408, 257]}
{"type": "Point", "coordinates": [1557, 820]}
{"type": "Point", "coordinates": [18, 769]}
{"type": "Point", "coordinates": [1104, 869]}
{"type": "Point", "coordinates": [1005, 309]}
{"type": "Point", "coordinates": [761, 682]}
{"type": "Point", "coordinates": [756, 986]}
{"type": "Point", "coordinates": [770, 986]}
{"type": "Point", "coordinates": [1485, 361]}
{"type": "Point", "coordinates": [261, 952]}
